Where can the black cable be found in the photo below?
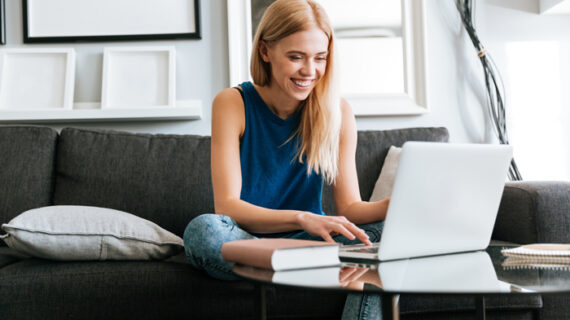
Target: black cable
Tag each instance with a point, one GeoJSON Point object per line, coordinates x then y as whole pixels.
{"type": "Point", "coordinates": [493, 82]}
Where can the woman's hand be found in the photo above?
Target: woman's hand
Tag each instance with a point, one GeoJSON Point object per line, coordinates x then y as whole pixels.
{"type": "Point", "coordinates": [328, 226]}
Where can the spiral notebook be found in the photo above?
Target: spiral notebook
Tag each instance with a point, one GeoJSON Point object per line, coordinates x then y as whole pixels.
{"type": "Point", "coordinates": [538, 255]}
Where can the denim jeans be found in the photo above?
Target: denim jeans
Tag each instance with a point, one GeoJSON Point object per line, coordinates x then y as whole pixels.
{"type": "Point", "coordinates": [205, 235]}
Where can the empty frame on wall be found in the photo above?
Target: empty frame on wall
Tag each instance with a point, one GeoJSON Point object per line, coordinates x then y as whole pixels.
{"type": "Point", "coordinates": [22, 87]}
{"type": "Point", "coordinates": [51, 21]}
{"type": "Point", "coordinates": [138, 77]}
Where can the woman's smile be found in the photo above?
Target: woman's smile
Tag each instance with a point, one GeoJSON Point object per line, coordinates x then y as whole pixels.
{"type": "Point", "coordinates": [301, 83]}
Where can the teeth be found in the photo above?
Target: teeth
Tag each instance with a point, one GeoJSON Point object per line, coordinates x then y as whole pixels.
{"type": "Point", "coordinates": [302, 83]}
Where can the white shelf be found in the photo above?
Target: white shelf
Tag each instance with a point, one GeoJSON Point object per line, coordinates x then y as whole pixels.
{"type": "Point", "coordinates": [92, 112]}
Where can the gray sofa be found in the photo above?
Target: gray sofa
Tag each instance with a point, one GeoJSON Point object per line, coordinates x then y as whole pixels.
{"type": "Point", "coordinates": [166, 179]}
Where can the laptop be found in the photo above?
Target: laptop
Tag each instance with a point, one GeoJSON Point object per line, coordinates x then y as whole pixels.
{"type": "Point", "coordinates": [445, 199]}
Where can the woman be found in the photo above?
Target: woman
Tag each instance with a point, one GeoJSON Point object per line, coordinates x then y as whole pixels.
{"type": "Point", "coordinates": [276, 141]}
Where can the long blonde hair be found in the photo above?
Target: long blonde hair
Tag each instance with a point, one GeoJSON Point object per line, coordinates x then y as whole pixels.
{"type": "Point", "coordinates": [319, 128]}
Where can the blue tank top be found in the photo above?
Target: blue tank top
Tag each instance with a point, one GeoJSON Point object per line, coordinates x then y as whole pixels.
{"type": "Point", "coordinates": [272, 176]}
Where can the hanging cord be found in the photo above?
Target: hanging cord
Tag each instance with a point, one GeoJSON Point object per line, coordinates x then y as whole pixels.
{"type": "Point", "coordinates": [493, 83]}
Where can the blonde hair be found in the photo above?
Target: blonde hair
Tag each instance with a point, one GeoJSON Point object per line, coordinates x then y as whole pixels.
{"type": "Point", "coordinates": [319, 128]}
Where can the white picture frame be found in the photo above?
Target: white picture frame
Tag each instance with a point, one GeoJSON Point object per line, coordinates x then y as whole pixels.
{"type": "Point", "coordinates": [54, 21]}
{"type": "Point", "coordinates": [37, 79]}
{"type": "Point", "coordinates": [412, 102]}
{"type": "Point", "coordinates": [138, 77]}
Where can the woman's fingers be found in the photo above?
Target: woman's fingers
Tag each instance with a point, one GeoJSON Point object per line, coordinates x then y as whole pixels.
{"type": "Point", "coordinates": [358, 233]}
{"type": "Point", "coordinates": [327, 227]}
{"type": "Point", "coordinates": [327, 237]}
{"type": "Point", "coordinates": [348, 229]}
{"type": "Point", "coordinates": [341, 229]}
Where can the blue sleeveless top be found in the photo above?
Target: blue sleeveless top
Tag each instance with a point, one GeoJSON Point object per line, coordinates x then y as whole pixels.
{"type": "Point", "coordinates": [272, 176]}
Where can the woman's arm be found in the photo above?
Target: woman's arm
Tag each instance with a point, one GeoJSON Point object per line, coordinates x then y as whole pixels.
{"type": "Point", "coordinates": [228, 125]}
{"type": "Point", "coordinates": [346, 190]}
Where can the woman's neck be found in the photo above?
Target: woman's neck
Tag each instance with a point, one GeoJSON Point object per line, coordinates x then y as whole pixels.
{"type": "Point", "coordinates": [282, 106]}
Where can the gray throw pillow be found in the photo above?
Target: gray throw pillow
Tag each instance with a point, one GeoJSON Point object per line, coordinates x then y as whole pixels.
{"type": "Point", "coordinates": [88, 233]}
{"type": "Point", "coordinates": [385, 182]}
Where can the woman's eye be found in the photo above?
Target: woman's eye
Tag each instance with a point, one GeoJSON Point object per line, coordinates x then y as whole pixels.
{"type": "Point", "coordinates": [321, 58]}
{"type": "Point", "coordinates": [295, 57]}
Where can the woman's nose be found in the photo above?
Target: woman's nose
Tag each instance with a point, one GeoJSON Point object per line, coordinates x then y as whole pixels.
{"type": "Point", "coordinates": [308, 69]}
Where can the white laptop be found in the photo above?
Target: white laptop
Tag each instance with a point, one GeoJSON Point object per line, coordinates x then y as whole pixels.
{"type": "Point", "coordinates": [445, 199]}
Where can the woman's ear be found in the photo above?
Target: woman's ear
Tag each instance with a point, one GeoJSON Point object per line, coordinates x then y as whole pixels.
{"type": "Point", "coordinates": [263, 51]}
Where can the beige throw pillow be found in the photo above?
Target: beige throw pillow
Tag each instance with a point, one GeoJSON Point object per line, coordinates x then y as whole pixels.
{"type": "Point", "coordinates": [88, 233]}
{"type": "Point", "coordinates": [385, 182]}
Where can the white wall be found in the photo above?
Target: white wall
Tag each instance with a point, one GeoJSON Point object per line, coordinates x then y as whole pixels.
{"type": "Point", "coordinates": [455, 85]}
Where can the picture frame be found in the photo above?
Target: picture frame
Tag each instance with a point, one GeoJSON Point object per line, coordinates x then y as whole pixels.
{"type": "Point", "coordinates": [2, 22]}
{"type": "Point", "coordinates": [412, 102]}
{"type": "Point", "coordinates": [55, 21]}
{"type": "Point", "coordinates": [138, 77]}
{"type": "Point", "coordinates": [22, 87]}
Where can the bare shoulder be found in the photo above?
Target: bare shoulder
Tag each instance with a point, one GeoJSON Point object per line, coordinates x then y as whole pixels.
{"type": "Point", "coordinates": [228, 98]}
{"type": "Point", "coordinates": [228, 109]}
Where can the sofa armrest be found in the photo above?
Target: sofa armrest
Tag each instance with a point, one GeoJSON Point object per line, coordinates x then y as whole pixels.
{"type": "Point", "coordinates": [534, 211]}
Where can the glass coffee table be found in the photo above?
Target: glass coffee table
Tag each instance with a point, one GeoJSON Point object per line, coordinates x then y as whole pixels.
{"type": "Point", "coordinates": [479, 274]}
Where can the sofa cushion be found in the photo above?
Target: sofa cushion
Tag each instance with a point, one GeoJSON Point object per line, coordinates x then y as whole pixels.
{"type": "Point", "coordinates": [9, 256]}
{"type": "Point", "coordinates": [27, 165]}
{"type": "Point", "coordinates": [169, 289]}
{"type": "Point", "coordinates": [385, 183]}
{"type": "Point", "coordinates": [371, 150]}
{"type": "Point", "coordinates": [89, 233]}
{"type": "Point", "coordinates": [161, 178]}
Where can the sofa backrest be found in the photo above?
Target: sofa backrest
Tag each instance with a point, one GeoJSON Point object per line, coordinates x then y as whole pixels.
{"type": "Point", "coordinates": [162, 178]}
{"type": "Point", "coordinates": [166, 178]}
{"type": "Point", "coordinates": [26, 169]}
{"type": "Point", "coordinates": [372, 148]}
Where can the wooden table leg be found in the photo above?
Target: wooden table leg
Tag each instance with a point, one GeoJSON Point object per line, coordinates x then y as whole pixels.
{"type": "Point", "coordinates": [480, 308]}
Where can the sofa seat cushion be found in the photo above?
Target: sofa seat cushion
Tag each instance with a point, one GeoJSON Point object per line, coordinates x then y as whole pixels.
{"type": "Point", "coordinates": [9, 256]}
{"type": "Point", "coordinates": [170, 289]}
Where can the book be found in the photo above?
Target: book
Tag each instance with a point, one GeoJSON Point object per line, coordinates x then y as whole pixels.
{"type": "Point", "coordinates": [281, 254]}
{"type": "Point", "coordinates": [538, 256]}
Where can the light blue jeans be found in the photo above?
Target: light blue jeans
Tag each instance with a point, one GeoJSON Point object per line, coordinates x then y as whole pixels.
{"type": "Point", "coordinates": [205, 235]}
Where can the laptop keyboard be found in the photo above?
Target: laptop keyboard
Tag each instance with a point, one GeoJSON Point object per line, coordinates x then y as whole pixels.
{"type": "Point", "coordinates": [362, 249]}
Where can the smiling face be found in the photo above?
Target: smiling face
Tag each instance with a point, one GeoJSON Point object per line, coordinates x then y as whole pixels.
{"type": "Point", "coordinates": [298, 62]}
